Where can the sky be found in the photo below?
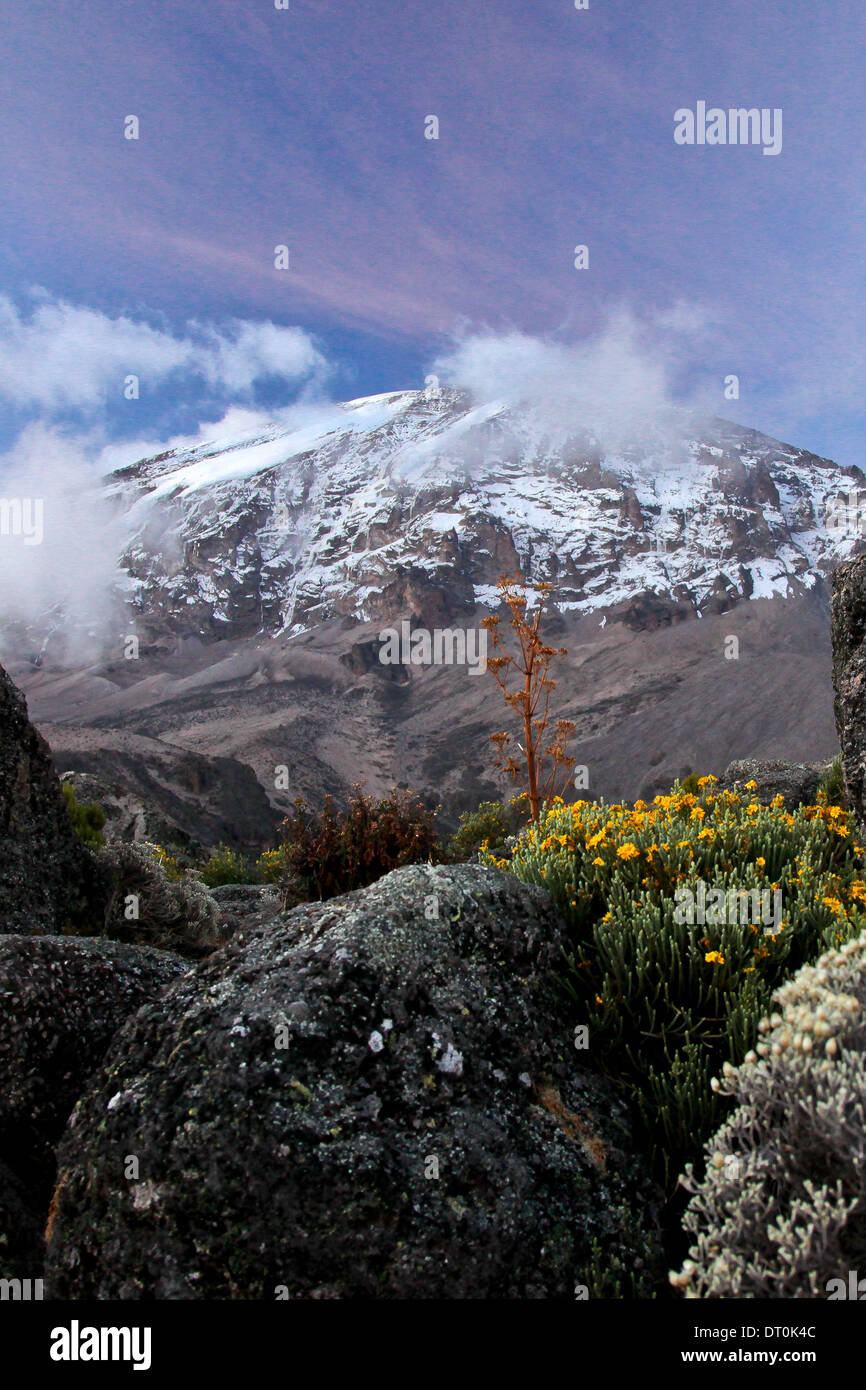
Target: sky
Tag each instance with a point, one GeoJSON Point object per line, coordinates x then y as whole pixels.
{"type": "Point", "coordinates": [308, 127]}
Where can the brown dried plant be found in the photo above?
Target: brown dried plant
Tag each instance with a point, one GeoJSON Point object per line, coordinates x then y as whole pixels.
{"type": "Point", "coordinates": [543, 762]}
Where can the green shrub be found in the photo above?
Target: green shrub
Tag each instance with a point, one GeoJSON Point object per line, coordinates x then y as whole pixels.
{"type": "Point", "coordinates": [690, 785]}
{"type": "Point", "coordinates": [88, 819]}
{"type": "Point", "coordinates": [487, 828]}
{"type": "Point", "coordinates": [832, 784]}
{"type": "Point", "coordinates": [668, 1001]}
{"type": "Point", "coordinates": [336, 851]}
{"type": "Point", "coordinates": [781, 1210]}
{"type": "Point", "coordinates": [225, 865]}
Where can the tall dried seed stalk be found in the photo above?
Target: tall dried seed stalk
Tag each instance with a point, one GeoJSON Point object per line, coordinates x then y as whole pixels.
{"type": "Point", "coordinates": [544, 767]}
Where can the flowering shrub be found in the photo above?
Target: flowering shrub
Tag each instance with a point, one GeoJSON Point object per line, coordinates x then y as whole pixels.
{"type": "Point", "coordinates": [488, 828]}
{"type": "Point", "coordinates": [781, 1211]}
{"type": "Point", "coordinates": [668, 1000]}
{"type": "Point", "coordinates": [225, 865]}
{"type": "Point", "coordinates": [168, 862]}
{"type": "Point", "coordinates": [271, 865]}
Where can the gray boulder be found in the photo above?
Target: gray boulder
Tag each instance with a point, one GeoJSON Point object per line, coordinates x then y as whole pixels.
{"type": "Point", "coordinates": [49, 880]}
{"type": "Point", "coordinates": [797, 782]}
{"type": "Point", "coordinates": [62, 999]}
{"type": "Point", "coordinates": [378, 1096]}
{"type": "Point", "coordinates": [246, 897]}
{"type": "Point", "coordinates": [244, 906]}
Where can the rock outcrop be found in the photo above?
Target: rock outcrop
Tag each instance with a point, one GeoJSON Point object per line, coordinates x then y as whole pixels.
{"type": "Point", "coordinates": [378, 1096]}
{"type": "Point", "coordinates": [796, 782]}
{"type": "Point", "coordinates": [63, 999]}
{"type": "Point", "coordinates": [849, 677]}
{"type": "Point", "coordinates": [166, 793]}
{"type": "Point", "coordinates": [49, 879]}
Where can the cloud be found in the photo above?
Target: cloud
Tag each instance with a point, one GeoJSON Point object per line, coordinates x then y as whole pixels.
{"type": "Point", "coordinates": [235, 358]}
{"type": "Point", "coordinates": [64, 357]}
{"type": "Point", "coordinates": [618, 384]}
{"type": "Point", "coordinates": [72, 570]}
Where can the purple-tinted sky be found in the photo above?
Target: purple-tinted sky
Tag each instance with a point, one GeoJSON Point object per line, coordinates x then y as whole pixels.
{"type": "Point", "coordinates": [261, 126]}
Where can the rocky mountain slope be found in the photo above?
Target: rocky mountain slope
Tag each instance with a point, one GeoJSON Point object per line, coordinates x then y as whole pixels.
{"type": "Point", "coordinates": [259, 572]}
{"type": "Point", "coordinates": [421, 500]}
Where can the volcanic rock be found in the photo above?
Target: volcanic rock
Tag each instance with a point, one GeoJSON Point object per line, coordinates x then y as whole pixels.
{"type": "Point", "coordinates": [378, 1096]}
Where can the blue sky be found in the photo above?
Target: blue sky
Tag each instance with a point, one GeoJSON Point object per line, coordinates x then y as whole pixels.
{"type": "Point", "coordinates": [306, 127]}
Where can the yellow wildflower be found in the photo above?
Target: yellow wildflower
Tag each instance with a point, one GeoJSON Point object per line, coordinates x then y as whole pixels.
{"type": "Point", "coordinates": [628, 851]}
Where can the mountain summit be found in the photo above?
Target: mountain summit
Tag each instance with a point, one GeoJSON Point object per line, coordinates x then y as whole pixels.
{"type": "Point", "coordinates": [260, 573]}
{"type": "Point", "coordinates": [422, 498]}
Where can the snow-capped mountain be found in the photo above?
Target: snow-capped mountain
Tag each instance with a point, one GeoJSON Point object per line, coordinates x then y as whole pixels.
{"type": "Point", "coordinates": [262, 570]}
{"type": "Point", "coordinates": [418, 498]}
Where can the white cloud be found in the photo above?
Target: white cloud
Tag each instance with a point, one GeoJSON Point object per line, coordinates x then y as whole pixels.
{"type": "Point", "coordinates": [63, 357]}
{"type": "Point", "coordinates": [616, 384]}
{"type": "Point", "coordinates": [246, 351]}
{"type": "Point", "coordinates": [74, 566]}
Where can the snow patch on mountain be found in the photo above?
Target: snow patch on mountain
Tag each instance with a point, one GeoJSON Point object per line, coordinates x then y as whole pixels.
{"type": "Point", "coordinates": [350, 510]}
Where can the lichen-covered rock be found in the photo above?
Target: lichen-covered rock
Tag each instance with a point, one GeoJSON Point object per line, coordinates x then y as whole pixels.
{"type": "Point", "coordinates": [376, 1096]}
{"type": "Point", "coordinates": [62, 999]}
{"type": "Point", "coordinates": [849, 677]}
{"type": "Point", "coordinates": [246, 898]}
{"type": "Point", "coordinates": [22, 1253]}
{"type": "Point", "coordinates": [245, 906]}
{"type": "Point", "coordinates": [48, 878]}
{"type": "Point", "coordinates": [796, 782]}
